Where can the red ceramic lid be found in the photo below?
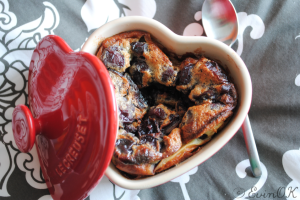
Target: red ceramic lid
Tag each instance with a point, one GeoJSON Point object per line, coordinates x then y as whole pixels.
{"type": "Point", "coordinates": [72, 118]}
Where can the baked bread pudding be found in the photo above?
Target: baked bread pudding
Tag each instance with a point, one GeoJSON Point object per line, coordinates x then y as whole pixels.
{"type": "Point", "coordinates": [169, 105]}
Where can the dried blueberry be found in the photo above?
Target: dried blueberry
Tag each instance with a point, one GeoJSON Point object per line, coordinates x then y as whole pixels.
{"type": "Point", "coordinates": [124, 145]}
{"type": "Point", "coordinates": [141, 65]}
{"type": "Point", "coordinates": [130, 128]}
{"type": "Point", "coordinates": [184, 76]}
{"type": "Point", "coordinates": [167, 74]}
{"type": "Point", "coordinates": [148, 126]}
{"type": "Point", "coordinates": [139, 47]}
{"type": "Point", "coordinates": [211, 94]}
{"type": "Point", "coordinates": [229, 89]}
{"type": "Point", "coordinates": [211, 65]}
{"type": "Point", "coordinates": [124, 117]}
{"type": "Point", "coordinates": [214, 67]}
{"type": "Point", "coordinates": [137, 75]}
{"type": "Point", "coordinates": [113, 57]}
{"type": "Point", "coordinates": [157, 113]}
{"type": "Point", "coordinates": [148, 139]}
{"type": "Point", "coordinates": [225, 88]}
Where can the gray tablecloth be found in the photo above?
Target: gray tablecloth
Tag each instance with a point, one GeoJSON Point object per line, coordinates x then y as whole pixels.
{"type": "Point", "coordinates": [269, 44]}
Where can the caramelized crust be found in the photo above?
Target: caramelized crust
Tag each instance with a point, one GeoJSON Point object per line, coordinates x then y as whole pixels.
{"type": "Point", "coordinates": [140, 169]}
{"type": "Point", "coordinates": [125, 35]}
{"type": "Point", "coordinates": [208, 72]}
{"type": "Point", "coordinates": [172, 143]}
{"type": "Point", "coordinates": [161, 67]}
{"type": "Point", "coordinates": [130, 158]}
{"type": "Point", "coordinates": [175, 159]}
{"type": "Point", "coordinates": [129, 149]}
{"type": "Point", "coordinates": [118, 51]}
{"type": "Point", "coordinates": [202, 71]}
{"type": "Point", "coordinates": [199, 119]}
{"type": "Point", "coordinates": [187, 150]}
{"type": "Point", "coordinates": [224, 93]}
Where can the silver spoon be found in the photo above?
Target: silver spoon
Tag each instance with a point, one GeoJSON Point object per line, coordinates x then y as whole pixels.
{"type": "Point", "coordinates": [220, 22]}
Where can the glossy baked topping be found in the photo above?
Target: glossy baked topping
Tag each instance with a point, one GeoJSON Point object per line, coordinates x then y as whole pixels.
{"type": "Point", "coordinates": [167, 109]}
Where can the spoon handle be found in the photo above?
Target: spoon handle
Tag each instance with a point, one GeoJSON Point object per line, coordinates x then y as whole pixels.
{"type": "Point", "coordinates": [251, 148]}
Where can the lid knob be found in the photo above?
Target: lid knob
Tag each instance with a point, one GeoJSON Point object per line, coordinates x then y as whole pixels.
{"type": "Point", "coordinates": [25, 127]}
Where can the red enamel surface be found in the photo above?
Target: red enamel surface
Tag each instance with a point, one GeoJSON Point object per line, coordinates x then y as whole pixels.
{"type": "Point", "coordinates": [72, 101]}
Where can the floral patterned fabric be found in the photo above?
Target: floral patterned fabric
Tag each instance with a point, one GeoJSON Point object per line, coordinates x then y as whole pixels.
{"type": "Point", "coordinates": [269, 44]}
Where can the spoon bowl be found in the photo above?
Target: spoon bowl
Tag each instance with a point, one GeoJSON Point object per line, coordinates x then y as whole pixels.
{"type": "Point", "coordinates": [220, 20]}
